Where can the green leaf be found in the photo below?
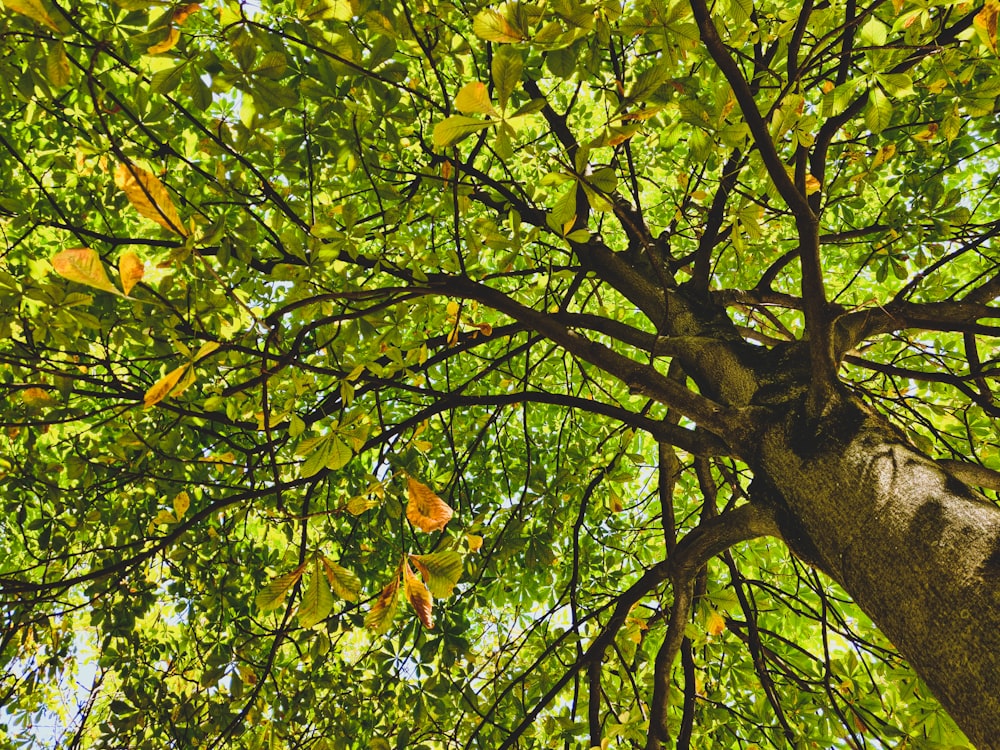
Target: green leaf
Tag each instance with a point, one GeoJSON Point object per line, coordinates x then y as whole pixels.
{"type": "Point", "coordinates": [441, 571]}
{"type": "Point", "coordinates": [506, 70]}
{"type": "Point", "coordinates": [344, 582]}
{"type": "Point", "coordinates": [879, 111]}
{"type": "Point", "coordinates": [273, 594]}
{"type": "Point", "coordinates": [317, 599]}
{"type": "Point", "coordinates": [340, 454]}
{"type": "Point", "coordinates": [453, 129]}
{"type": "Point", "coordinates": [57, 66]}
{"type": "Point", "coordinates": [166, 80]}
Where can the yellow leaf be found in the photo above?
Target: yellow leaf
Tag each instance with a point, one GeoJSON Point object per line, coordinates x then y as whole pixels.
{"type": "Point", "coordinates": [130, 270]}
{"type": "Point", "coordinates": [83, 265]}
{"type": "Point", "coordinates": [715, 624]}
{"type": "Point", "coordinates": [34, 10]}
{"type": "Point", "coordinates": [474, 98]}
{"type": "Point", "coordinates": [173, 36]}
{"type": "Point", "coordinates": [162, 387]}
{"type": "Point", "coordinates": [474, 541]}
{"type": "Point", "coordinates": [345, 583]}
{"type": "Point", "coordinates": [986, 24]}
{"type": "Point", "coordinates": [164, 517]}
{"type": "Point", "coordinates": [812, 185]}
{"type": "Point", "coordinates": [272, 595]}
{"type": "Point", "coordinates": [379, 617]}
{"type": "Point", "coordinates": [493, 27]}
{"type": "Point", "coordinates": [182, 502]}
{"type": "Point", "coordinates": [149, 196]}
{"type": "Point", "coordinates": [419, 597]}
{"type": "Point", "coordinates": [205, 349]}
{"type": "Point", "coordinates": [36, 396]}
{"type": "Point", "coordinates": [425, 510]}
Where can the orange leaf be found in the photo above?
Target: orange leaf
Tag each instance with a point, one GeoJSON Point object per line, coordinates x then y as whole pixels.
{"type": "Point", "coordinates": [83, 265]}
{"type": "Point", "coordinates": [985, 23]}
{"type": "Point", "coordinates": [149, 196]}
{"type": "Point", "coordinates": [162, 387]}
{"type": "Point", "coordinates": [715, 624]}
{"type": "Point", "coordinates": [130, 270]}
{"type": "Point", "coordinates": [418, 596]}
{"type": "Point", "coordinates": [426, 510]}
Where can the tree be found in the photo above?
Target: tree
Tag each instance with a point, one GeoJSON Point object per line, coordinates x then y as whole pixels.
{"type": "Point", "coordinates": [393, 374]}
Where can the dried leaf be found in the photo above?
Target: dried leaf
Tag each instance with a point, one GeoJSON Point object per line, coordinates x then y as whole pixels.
{"type": "Point", "coordinates": [272, 595]}
{"type": "Point", "coordinates": [344, 582]}
{"type": "Point", "coordinates": [317, 600]}
{"type": "Point", "coordinates": [162, 387]}
{"type": "Point", "coordinates": [379, 617]}
{"type": "Point", "coordinates": [181, 14]}
{"type": "Point", "coordinates": [426, 510]}
{"type": "Point", "coordinates": [130, 270]}
{"type": "Point", "coordinates": [149, 196]}
{"type": "Point", "coordinates": [84, 266]}
{"type": "Point", "coordinates": [419, 597]}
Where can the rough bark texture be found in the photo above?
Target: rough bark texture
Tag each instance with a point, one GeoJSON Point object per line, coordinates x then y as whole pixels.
{"type": "Point", "coordinates": [918, 550]}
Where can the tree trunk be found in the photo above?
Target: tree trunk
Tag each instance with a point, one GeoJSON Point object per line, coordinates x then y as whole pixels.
{"type": "Point", "coordinates": [916, 549]}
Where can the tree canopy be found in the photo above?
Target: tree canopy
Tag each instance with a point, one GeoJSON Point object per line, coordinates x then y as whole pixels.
{"type": "Point", "coordinates": [417, 374]}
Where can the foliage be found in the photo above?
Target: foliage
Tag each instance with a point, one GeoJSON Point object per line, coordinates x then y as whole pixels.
{"type": "Point", "coordinates": [308, 309]}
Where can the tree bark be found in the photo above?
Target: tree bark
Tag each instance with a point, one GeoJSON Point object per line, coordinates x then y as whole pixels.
{"type": "Point", "coordinates": [917, 550]}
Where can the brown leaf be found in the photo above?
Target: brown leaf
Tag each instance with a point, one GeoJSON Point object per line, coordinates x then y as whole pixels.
{"type": "Point", "coordinates": [379, 617]}
{"type": "Point", "coordinates": [149, 196]}
{"type": "Point", "coordinates": [130, 270]}
{"type": "Point", "coordinates": [426, 510]}
{"type": "Point", "coordinates": [418, 596]}
{"type": "Point", "coordinates": [181, 14]}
